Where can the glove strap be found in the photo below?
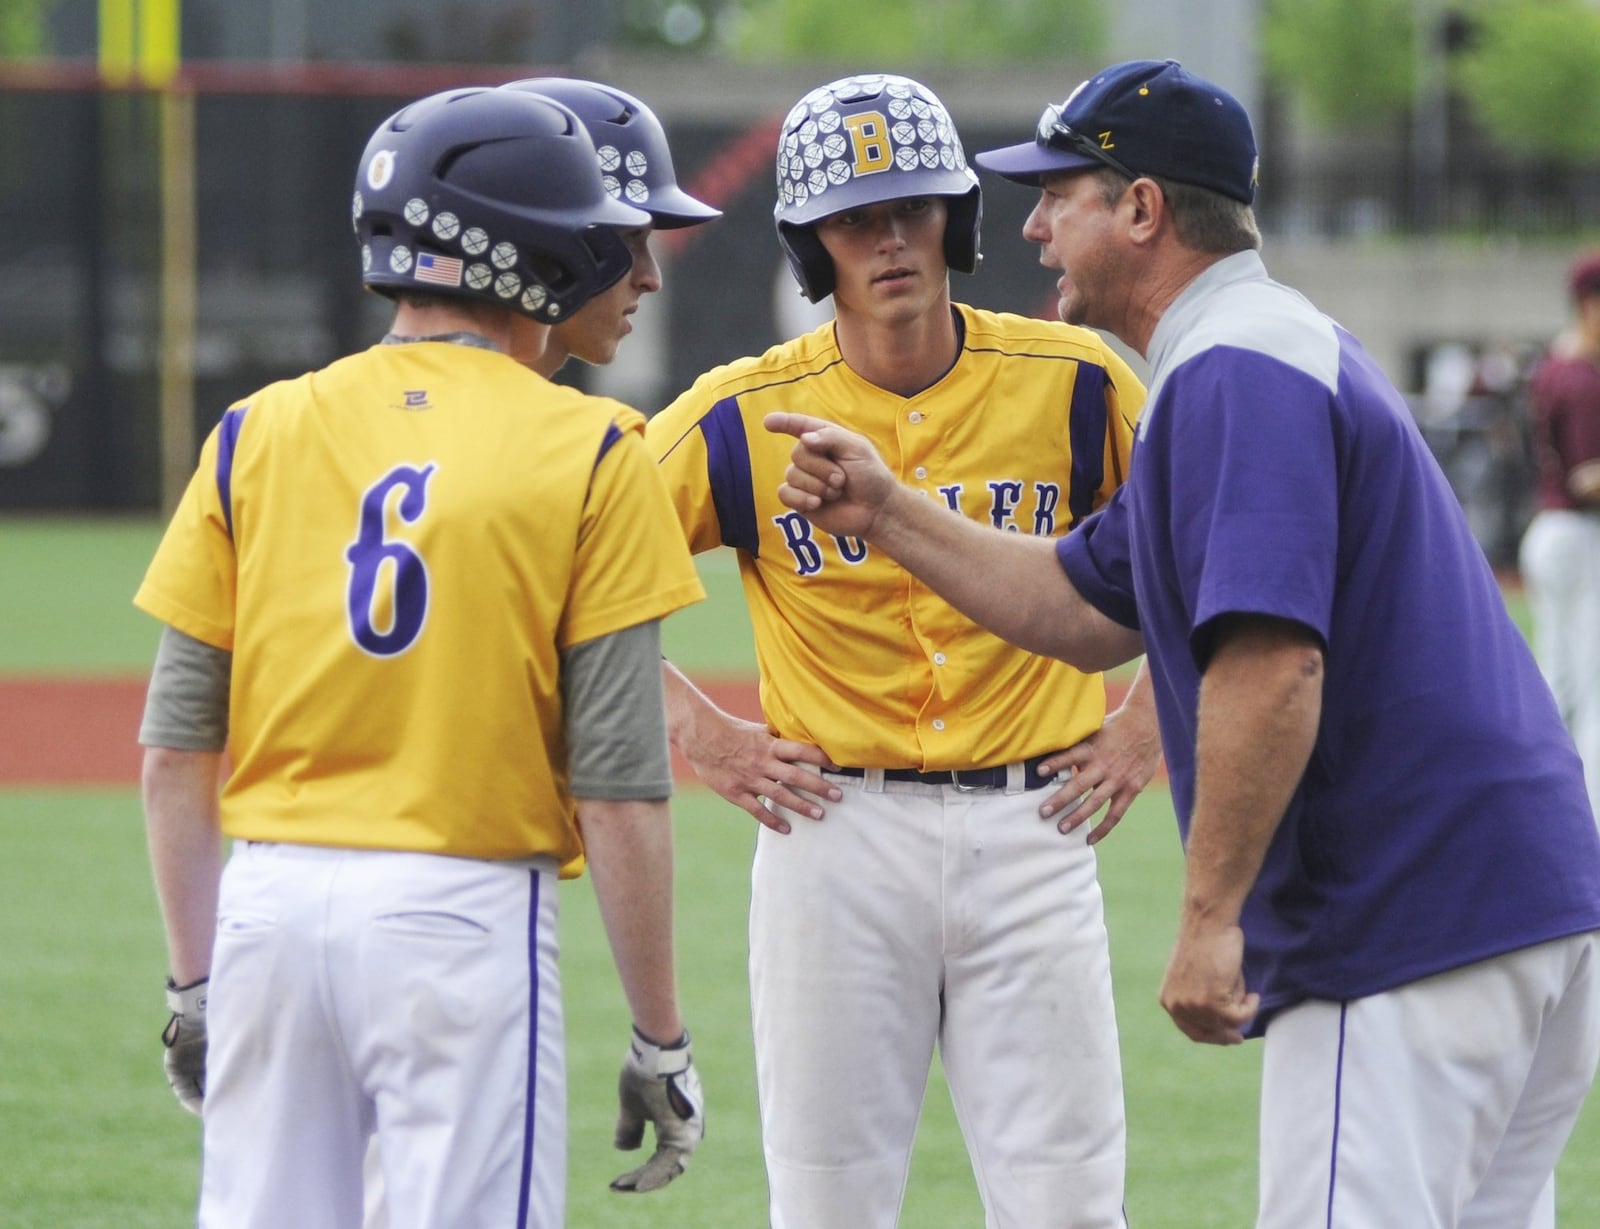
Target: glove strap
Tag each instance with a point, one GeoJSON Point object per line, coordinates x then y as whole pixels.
{"type": "Point", "coordinates": [188, 1000]}
{"type": "Point", "coordinates": [659, 1060]}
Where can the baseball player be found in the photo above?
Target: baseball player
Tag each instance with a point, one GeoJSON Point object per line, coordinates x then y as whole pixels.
{"type": "Point", "coordinates": [932, 906]}
{"type": "Point", "coordinates": [1391, 868]}
{"type": "Point", "coordinates": [417, 596]}
{"type": "Point", "coordinates": [1560, 551]}
{"type": "Point", "coordinates": [636, 166]}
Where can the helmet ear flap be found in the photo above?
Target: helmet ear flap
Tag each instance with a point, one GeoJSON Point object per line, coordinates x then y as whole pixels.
{"type": "Point", "coordinates": [808, 260]}
{"type": "Point", "coordinates": [962, 231]}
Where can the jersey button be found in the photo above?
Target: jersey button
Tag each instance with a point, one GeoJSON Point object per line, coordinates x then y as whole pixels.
{"type": "Point", "coordinates": [938, 723]}
{"type": "Point", "coordinates": [922, 471]}
{"type": "Point", "coordinates": [915, 416]}
{"type": "Point", "coordinates": [938, 659]}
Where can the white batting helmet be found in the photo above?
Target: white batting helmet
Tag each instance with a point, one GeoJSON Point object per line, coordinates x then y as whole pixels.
{"type": "Point", "coordinates": [863, 140]}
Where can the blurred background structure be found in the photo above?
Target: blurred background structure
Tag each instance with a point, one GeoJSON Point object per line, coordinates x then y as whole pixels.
{"type": "Point", "coordinates": [177, 175]}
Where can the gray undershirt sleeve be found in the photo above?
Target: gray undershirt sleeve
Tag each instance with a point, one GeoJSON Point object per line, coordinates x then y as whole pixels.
{"type": "Point", "coordinates": [616, 719]}
{"type": "Point", "coordinates": [611, 686]}
{"type": "Point", "coordinates": [186, 707]}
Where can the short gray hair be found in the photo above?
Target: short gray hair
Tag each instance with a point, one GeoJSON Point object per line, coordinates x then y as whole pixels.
{"type": "Point", "coordinates": [1206, 221]}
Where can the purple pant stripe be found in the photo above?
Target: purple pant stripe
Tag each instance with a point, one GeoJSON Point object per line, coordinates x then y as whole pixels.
{"type": "Point", "coordinates": [1338, 1101]}
{"type": "Point", "coordinates": [533, 1050]}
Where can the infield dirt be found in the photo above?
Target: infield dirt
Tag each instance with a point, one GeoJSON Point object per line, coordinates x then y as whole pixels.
{"type": "Point", "coordinates": [84, 731]}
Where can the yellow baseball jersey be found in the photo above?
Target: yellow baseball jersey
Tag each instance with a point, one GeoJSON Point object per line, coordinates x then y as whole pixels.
{"type": "Point", "coordinates": [1029, 431]}
{"type": "Point", "coordinates": [396, 548]}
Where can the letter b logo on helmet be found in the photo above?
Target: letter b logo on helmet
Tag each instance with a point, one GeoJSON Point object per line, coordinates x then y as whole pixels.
{"type": "Point", "coordinates": [860, 141]}
{"type": "Point", "coordinates": [869, 143]}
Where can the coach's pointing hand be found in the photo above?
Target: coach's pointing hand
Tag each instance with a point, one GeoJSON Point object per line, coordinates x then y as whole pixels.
{"type": "Point", "coordinates": [659, 1085]}
{"type": "Point", "coordinates": [835, 477]}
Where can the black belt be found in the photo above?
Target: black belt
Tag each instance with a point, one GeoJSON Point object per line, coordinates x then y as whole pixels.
{"type": "Point", "coordinates": [964, 778]}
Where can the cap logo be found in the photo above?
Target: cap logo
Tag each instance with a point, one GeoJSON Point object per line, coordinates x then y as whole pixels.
{"type": "Point", "coordinates": [380, 170]}
{"type": "Point", "coordinates": [1105, 140]}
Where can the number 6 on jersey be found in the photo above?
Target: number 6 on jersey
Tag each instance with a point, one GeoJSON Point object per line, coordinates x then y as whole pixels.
{"type": "Point", "coordinates": [404, 606]}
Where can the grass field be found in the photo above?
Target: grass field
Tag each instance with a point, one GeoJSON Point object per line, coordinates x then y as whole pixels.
{"type": "Point", "coordinates": [92, 1138]}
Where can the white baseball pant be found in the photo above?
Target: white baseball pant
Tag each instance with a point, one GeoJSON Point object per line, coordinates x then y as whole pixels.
{"type": "Point", "coordinates": [1560, 562]}
{"type": "Point", "coordinates": [408, 994]}
{"type": "Point", "coordinates": [1443, 1104]}
{"type": "Point", "coordinates": [915, 915]}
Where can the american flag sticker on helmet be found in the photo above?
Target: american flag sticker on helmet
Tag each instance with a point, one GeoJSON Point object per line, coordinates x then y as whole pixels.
{"type": "Point", "coordinates": [445, 270]}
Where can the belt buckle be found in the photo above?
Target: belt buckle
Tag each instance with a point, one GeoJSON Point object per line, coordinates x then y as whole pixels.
{"type": "Point", "coordinates": [955, 780]}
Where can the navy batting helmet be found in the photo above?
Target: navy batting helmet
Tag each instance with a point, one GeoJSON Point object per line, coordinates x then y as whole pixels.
{"type": "Point", "coordinates": [635, 162]}
{"type": "Point", "coordinates": [490, 195]}
{"type": "Point", "coordinates": [860, 141]}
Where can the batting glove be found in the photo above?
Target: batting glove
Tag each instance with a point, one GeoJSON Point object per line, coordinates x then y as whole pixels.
{"type": "Point", "coordinates": [660, 1085]}
{"type": "Point", "coordinates": [185, 1039]}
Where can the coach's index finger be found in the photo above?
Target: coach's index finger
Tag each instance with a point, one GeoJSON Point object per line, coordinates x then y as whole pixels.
{"type": "Point", "coordinates": [781, 422]}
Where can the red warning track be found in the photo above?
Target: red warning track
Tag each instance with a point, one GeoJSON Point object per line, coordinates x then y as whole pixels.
{"type": "Point", "coordinates": [85, 731]}
{"type": "Point", "coordinates": [70, 731]}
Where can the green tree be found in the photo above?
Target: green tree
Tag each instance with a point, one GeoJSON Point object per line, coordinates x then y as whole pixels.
{"type": "Point", "coordinates": [966, 31]}
{"type": "Point", "coordinates": [1348, 62]}
{"type": "Point", "coordinates": [22, 27]}
{"type": "Point", "coordinates": [1532, 77]}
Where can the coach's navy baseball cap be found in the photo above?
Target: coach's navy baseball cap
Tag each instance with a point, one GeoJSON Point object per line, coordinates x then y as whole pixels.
{"type": "Point", "coordinates": [1142, 117]}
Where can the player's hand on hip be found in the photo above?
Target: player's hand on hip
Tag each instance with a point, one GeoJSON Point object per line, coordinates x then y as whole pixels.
{"type": "Point", "coordinates": [185, 1040]}
{"type": "Point", "coordinates": [1107, 769]}
{"type": "Point", "coordinates": [1204, 989]}
{"type": "Point", "coordinates": [745, 764]}
{"type": "Point", "coordinates": [835, 477]}
{"type": "Point", "coordinates": [659, 1085]}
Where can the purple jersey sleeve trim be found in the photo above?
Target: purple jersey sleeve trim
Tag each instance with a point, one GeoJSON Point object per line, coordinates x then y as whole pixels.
{"type": "Point", "coordinates": [1087, 426]}
{"type": "Point", "coordinates": [728, 470]}
{"type": "Point", "coordinates": [613, 435]}
{"type": "Point", "coordinates": [227, 444]}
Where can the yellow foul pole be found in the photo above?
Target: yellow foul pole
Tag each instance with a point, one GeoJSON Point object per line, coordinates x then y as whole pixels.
{"type": "Point", "coordinates": [117, 46]}
{"type": "Point", "coordinates": [159, 23]}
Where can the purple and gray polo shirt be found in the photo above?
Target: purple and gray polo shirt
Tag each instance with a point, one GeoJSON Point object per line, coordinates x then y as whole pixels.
{"type": "Point", "coordinates": [1442, 818]}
